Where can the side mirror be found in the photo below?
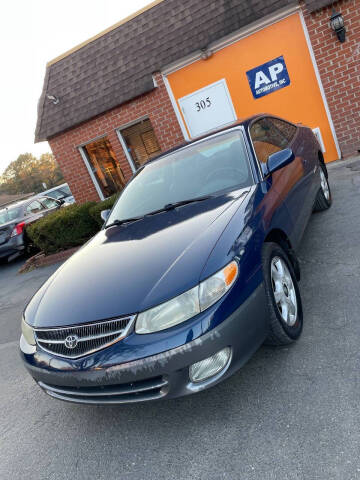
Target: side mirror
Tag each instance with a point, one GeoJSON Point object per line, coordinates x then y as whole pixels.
{"type": "Point", "coordinates": [279, 160]}
{"type": "Point", "coordinates": [105, 214]}
{"type": "Point", "coordinates": [61, 201]}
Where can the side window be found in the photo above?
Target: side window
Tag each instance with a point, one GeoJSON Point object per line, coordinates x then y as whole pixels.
{"type": "Point", "coordinates": [285, 128]}
{"type": "Point", "coordinates": [49, 202]}
{"type": "Point", "coordinates": [34, 207]}
{"type": "Point", "coordinates": [266, 138]}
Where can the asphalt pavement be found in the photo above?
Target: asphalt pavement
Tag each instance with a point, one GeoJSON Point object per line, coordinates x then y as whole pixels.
{"type": "Point", "coordinates": [290, 413]}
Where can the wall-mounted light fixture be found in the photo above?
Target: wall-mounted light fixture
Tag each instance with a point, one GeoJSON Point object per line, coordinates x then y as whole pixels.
{"type": "Point", "coordinates": [337, 24]}
{"type": "Point", "coordinates": [205, 53]}
{"type": "Point", "coordinates": [55, 100]}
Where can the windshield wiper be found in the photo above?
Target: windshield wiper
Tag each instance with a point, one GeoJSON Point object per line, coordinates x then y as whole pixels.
{"type": "Point", "coordinates": [121, 222]}
{"type": "Point", "coordinates": [168, 206]}
{"type": "Point", "coordinates": [171, 206]}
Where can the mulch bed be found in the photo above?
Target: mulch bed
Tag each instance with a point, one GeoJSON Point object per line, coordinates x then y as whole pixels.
{"type": "Point", "coordinates": [42, 260]}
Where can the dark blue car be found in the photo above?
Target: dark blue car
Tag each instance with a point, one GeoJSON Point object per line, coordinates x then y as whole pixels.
{"type": "Point", "coordinates": [194, 269]}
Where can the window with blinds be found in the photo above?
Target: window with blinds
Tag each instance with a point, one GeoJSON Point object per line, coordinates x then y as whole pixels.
{"type": "Point", "coordinates": [141, 142]}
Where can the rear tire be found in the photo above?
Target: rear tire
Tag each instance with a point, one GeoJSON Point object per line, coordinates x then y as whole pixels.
{"type": "Point", "coordinates": [283, 296]}
{"type": "Point", "coordinates": [323, 199]}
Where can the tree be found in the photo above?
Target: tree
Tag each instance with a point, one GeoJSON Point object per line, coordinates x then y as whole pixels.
{"type": "Point", "coordinates": [27, 174]}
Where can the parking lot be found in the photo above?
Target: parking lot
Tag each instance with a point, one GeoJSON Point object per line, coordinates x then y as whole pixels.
{"type": "Point", "coordinates": [290, 413]}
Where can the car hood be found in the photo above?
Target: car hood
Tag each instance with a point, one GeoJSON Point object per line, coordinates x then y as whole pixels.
{"type": "Point", "coordinates": [130, 268]}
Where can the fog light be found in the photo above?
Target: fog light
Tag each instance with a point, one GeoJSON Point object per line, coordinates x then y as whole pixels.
{"type": "Point", "coordinates": [210, 366]}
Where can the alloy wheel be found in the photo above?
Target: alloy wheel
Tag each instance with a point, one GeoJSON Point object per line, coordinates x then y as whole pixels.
{"type": "Point", "coordinates": [324, 185]}
{"type": "Point", "coordinates": [284, 291]}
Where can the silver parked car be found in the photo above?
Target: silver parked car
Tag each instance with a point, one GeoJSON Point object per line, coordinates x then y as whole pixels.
{"type": "Point", "coordinates": [61, 192]}
{"type": "Point", "coordinates": [15, 217]}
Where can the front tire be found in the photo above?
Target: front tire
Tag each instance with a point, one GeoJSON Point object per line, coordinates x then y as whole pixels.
{"type": "Point", "coordinates": [283, 296]}
{"type": "Point", "coordinates": [323, 199]}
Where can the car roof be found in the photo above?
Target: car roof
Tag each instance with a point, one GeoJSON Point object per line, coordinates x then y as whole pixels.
{"type": "Point", "coordinates": [15, 205]}
{"type": "Point", "coordinates": [52, 189]}
{"type": "Point", "coordinates": [27, 201]}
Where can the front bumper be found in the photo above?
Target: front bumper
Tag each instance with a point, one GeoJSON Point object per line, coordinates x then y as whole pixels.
{"type": "Point", "coordinates": [165, 374]}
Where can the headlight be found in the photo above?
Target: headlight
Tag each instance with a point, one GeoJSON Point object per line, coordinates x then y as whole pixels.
{"type": "Point", "coordinates": [213, 288]}
{"type": "Point", "coordinates": [170, 313]}
{"type": "Point", "coordinates": [28, 333]}
{"type": "Point", "coordinates": [188, 304]}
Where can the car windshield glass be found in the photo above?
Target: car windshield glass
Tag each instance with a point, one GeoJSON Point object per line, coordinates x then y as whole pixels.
{"type": "Point", "coordinates": [8, 214]}
{"type": "Point", "coordinates": [57, 194]}
{"type": "Point", "coordinates": [66, 190]}
{"type": "Point", "coordinates": [202, 169]}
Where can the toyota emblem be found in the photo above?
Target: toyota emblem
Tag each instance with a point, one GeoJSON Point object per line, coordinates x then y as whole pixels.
{"type": "Point", "coordinates": [71, 341]}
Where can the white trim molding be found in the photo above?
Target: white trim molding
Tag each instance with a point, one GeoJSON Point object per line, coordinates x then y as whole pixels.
{"type": "Point", "coordinates": [317, 133]}
{"type": "Point", "coordinates": [91, 173]}
{"type": "Point", "coordinates": [126, 152]}
{"type": "Point", "coordinates": [176, 108]}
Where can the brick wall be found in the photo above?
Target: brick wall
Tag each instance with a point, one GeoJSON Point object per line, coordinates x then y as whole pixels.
{"type": "Point", "coordinates": [339, 68]}
{"type": "Point", "coordinates": [156, 105]}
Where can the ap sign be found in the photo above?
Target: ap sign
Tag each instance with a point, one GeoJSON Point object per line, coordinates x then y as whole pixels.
{"type": "Point", "coordinates": [268, 77]}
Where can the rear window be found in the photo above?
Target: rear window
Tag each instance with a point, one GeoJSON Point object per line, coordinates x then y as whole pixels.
{"type": "Point", "coordinates": [66, 190]}
{"type": "Point", "coordinates": [8, 214]}
{"type": "Point", "coordinates": [57, 194]}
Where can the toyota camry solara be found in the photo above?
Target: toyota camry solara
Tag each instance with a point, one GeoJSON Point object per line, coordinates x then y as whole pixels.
{"type": "Point", "coordinates": [194, 268]}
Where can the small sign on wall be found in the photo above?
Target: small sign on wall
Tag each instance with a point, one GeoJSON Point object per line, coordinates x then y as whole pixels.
{"type": "Point", "coordinates": [319, 138]}
{"type": "Point", "coordinates": [268, 77]}
{"type": "Point", "coordinates": [208, 108]}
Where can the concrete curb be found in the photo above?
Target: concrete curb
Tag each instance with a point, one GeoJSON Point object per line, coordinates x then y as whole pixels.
{"type": "Point", "coordinates": [42, 260]}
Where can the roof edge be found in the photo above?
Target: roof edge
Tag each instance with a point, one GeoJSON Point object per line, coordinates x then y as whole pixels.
{"type": "Point", "coordinates": [103, 32]}
{"type": "Point", "coordinates": [40, 137]}
{"type": "Point", "coordinates": [40, 108]}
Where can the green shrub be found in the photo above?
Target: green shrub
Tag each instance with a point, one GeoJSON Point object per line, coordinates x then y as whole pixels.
{"type": "Point", "coordinates": [67, 227]}
{"type": "Point", "coordinates": [96, 210]}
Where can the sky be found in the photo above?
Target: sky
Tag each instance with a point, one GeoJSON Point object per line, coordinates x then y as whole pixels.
{"type": "Point", "coordinates": [32, 32]}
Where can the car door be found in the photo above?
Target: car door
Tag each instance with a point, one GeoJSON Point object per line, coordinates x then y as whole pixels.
{"type": "Point", "coordinates": [301, 145]}
{"type": "Point", "coordinates": [33, 211]}
{"type": "Point", "coordinates": [270, 135]}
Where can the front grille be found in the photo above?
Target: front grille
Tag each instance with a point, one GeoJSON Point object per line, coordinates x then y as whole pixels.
{"type": "Point", "coordinates": [140, 391]}
{"type": "Point", "coordinates": [80, 340]}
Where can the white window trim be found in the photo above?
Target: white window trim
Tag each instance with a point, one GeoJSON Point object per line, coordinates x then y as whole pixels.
{"type": "Point", "coordinates": [126, 152]}
{"type": "Point", "coordinates": [92, 176]}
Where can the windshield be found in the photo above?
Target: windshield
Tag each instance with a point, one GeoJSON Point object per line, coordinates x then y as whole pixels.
{"type": "Point", "coordinates": [8, 214]}
{"type": "Point", "coordinates": [201, 169]}
{"type": "Point", "coordinates": [58, 194]}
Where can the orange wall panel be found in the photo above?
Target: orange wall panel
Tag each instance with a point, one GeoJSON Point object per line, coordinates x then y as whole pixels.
{"type": "Point", "coordinates": [301, 101]}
